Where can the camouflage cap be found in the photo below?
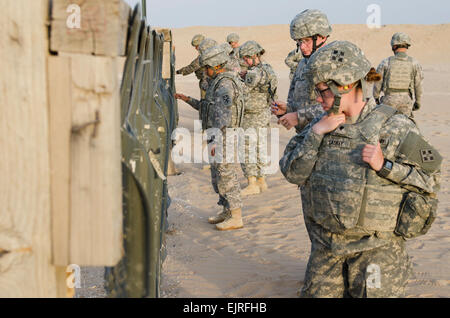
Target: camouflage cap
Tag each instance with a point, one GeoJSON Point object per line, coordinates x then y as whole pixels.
{"type": "Point", "coordinates": [206, 44]}
{"type": "Point", "coordinates": [250, 48]}
{"type": "Point", "coordinates": [340, 61]}
{"type": "Point", "coordinates": [197, 39]}
{"type": "Point", "coordinates": [309, 23]}
{"type": "Point", "coordinates": [233, 37]}
{"type": "Point", "coordinates": [400, 38]}
{"type": "Point", "coordinates": [214, 56]}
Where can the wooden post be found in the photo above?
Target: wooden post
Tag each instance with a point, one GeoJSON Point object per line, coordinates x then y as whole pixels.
{"type": "Point", "coordinates": [85, 140]}
{"type": "Point", "coordinates": [25, 219]}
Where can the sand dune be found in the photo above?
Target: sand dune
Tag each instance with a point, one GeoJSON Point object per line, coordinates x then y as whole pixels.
{"type": "Point", "coordinates": [268, 257]}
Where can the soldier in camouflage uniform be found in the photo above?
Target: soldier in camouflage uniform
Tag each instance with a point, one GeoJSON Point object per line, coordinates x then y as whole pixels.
{"type": "Point", "coordinates": [402, 78]}
{"type": "Point", "coordinates": [357, 164]}
{"type": "Point", "coordinates": [261, 82]}
{"type": "Point", "coordinates": [292, 60]}
{"type": "Point", "coordinates": [310, 29]}
{"type": "Point", "coordinates": [222, 109]}
{"type": "Point", "coordinates": [233, 41]}
{"type": "Point", "coordinates": [195, 66]}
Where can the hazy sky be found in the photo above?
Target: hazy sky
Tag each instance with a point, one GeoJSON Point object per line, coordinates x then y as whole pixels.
{"type": "Point", "coordinates": [183, 13]}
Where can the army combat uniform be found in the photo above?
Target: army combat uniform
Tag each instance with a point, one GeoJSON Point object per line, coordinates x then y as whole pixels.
{"type": "Point", "coordinates": [350, 210]}
{"type": "Point", "coordinates": [262, 83]}
{"type": "Point", "coordinates": [402, 79]}
{"type": "Point", "coordinates": [222, 108]}
{"type": "Point", "coordinates": [301, 96]}
{"type": "Point", "coordinates": [292, 60]}
{"type": "Point", "coordinates": [195, 67]}
{"type": "Point", "coordinates": [402, 83]}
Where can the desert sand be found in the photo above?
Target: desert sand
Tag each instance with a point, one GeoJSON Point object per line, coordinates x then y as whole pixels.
{"type": "Point", "coordinates": [268, 257]}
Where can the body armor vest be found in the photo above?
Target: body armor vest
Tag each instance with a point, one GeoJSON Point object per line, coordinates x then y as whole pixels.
{"type": "Point", "coordinates": [207, 106]}
{"type": "Point", "coordinates": [261, 95]}
{"type": "Point", "coordinates": [346, 195]}
{"type": "Point", "coordinates": [399, 74]}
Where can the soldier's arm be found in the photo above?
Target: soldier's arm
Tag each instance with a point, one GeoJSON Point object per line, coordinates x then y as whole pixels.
{"type": "Point", "coordinates": [195, 103]}
{"type": "Point", "coordinates": [224, 100]}
{"type": "Point", "coordinates": [378, 85]}
{"type": "Point", "coordinates": [291, 59]}
{"type": "Point", "coordinates": [306, 115]}
{"type": "Point", "coordinates": [300, 156]}
{"type": "Point", "coordinates": [418, 88]}
{"type": "Point", "coordinates": [416, 163]}
{"type": "Point", "coordinates": [191, 68]}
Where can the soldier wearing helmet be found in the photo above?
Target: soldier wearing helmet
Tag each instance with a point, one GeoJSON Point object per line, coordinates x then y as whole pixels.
{"type": "Point", "coordinates": [261, 82]}
{"type": "Point", "coordinates": [292, 60]}
{"type": "Point", "coordinates": [355, 165]}
{"type": "Point", "coordinates": [233, 41]}
{"type": "Point", "coordinates": [310, 29]}
{"type": "Point", "coordinates": [221, 109]}
{"type": "Point", "coordinates": [195, 67]}
{"type": "Point", "coordinates": [401, 87]}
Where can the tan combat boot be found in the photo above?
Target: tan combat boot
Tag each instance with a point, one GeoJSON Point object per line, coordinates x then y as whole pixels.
{"type": "Point", "coordinates": [253, 187]}
{"type": "Point", "coordinates": [225, 214]}
{"type": "Point", "coordinates": [233, 223]}
{"type": "Point", "coordinates": [262, 184]}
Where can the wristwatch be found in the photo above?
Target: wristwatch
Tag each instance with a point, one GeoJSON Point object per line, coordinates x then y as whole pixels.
{"type": "Point", "coordinates": [386, 169]}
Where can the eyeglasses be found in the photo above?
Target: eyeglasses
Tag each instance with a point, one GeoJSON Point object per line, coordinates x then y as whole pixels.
{"type": "Point", "coordinates": [321, 92]}
{"type": "Point", "coordinates": [304, 41]}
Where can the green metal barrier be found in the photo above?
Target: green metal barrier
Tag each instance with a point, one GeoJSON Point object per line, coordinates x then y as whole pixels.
{"type": "Point", "coordinates": [149, 115]}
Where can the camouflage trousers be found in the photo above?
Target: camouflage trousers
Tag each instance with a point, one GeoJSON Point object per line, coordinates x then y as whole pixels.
{"type": "Point", "coordinates": [400, 101]}
{"type": "Point", "coordinates": [379, 272]}
{"type": "Point", "coordinates": [225, 181]}
{"type": "Point", "coordinates": [255, 144]}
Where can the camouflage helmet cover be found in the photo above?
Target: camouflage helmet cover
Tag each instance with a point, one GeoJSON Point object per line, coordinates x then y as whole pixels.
{"type": "Point", "coordinates": [197, 39]}
{"type": "Point", "coordinates": [250, 48]}
{"type": "Point", "coordinates": [214, 56]}
{"type": "Point", "coordinates": [309, 23]}
{"type": "Point", "coordinates": [206, 44]}
{"type": "Point", "coordinates": [233, 37]}
{"type": "Point", "coordinates": [340, 61]}
{"type": "Point", "coordinates": [400, 38]}
{"type": "Point", "coordinates": [227, 47]}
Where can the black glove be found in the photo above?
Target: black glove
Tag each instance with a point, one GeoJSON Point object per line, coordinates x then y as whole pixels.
{"type": "Point", "coordinates": [416, 106]}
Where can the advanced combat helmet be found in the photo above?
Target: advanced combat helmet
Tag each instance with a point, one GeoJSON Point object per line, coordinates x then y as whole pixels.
{"type": "Point", "coordinates": [233, 37]}
{"type": "Point", "coordinates": [251, 48]}
{"type": "Point", "coordinates": [206, 44]}
{"type": "Point", "coordinates": [401, 38]}
{"type": "Point", "coordinates": [340, 63]}
{"type": "Point", "coordinates": [197, 39]}
{"type": "Point", "coordinates": [214, 56]}
{"type": "Point", "coordinates": [310, 23]}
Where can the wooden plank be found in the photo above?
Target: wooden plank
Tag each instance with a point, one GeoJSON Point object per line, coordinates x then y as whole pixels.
{"type": "Point", "coordinates": [96, 188]}
{"type": "Point", "coordinates": [166, 59]}
{"type": "Point", "coordinates": [103, 27]}
{"type": "Point", "coordinates": [25, 229]}
{"type": "Point", "coordinates": [60, 109]}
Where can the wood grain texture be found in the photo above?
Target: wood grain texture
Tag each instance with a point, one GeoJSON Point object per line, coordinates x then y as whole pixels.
{"type": "Point", "coordinates": [25, 229]}
{"type": "Point", "coordinates": [96, 182]}
{"type": "Point", "coordinates": [103, 27]}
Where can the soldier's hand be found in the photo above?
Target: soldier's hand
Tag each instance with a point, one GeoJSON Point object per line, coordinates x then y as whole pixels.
{"type": "Point", "coordinates": [278, 108]}
{"type": "Point", "coordinates": [182, 97]}
{"type": "Point", "coordinates": [373, 156]}
{"type": "Point", "coordinates": [289, 120]}
{"type": "Point", "coordinates": [213, 150]}
{"type": "Point", "coordinates": [243, 74]}
{"type": "Point", "coordinates": [328, 123]}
